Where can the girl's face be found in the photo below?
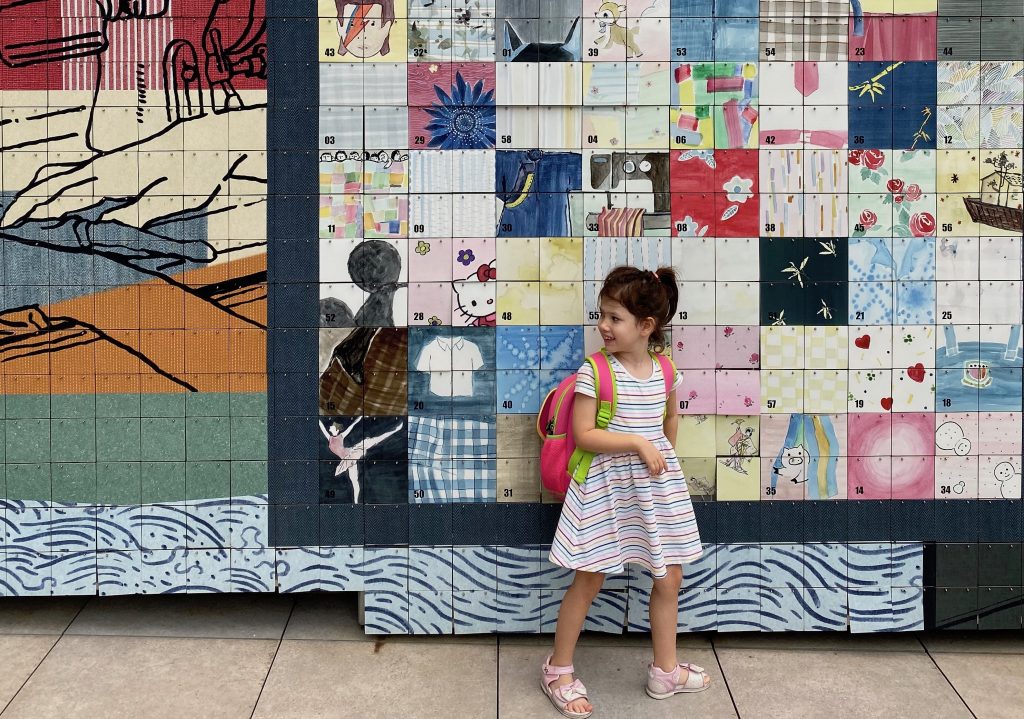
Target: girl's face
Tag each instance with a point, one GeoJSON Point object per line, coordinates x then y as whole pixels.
{"type": "Point", "coordinates": [366, 32]}
{"type": "Point", "coordinates": [620, 329]}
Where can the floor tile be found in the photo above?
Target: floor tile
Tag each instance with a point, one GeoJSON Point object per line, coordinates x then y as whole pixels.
{"type": "Point", "coordinates": [990, 684]}
{"type": "Point", "coordinates": [19, 657]}
{"type": "Point", "coordinates": [113, 677]}
{"type": "Point", "coordinates": [614, 677]}
{"type": "Point", "coordinates": [777, 683]}
{"type": "Point", "coordinates": [819, 641]}
{"type": "Point", "coordinates": [335, 616]}
{"type": "Point", "coordinates": [366, 680]}
{"type": "Point", "coordinates": [323, 615]}
{"type": "Point", "coordinates": [225, 616]}
{"type": "Point", "coordinates": [38, 615]}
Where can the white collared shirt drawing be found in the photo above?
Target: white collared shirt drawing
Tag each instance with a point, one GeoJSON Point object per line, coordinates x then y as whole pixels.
{"type": "Point", "coordinates": [445, 358]}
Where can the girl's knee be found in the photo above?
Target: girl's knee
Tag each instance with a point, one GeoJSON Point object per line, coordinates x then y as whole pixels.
{"type": "Point", "coordinates": [591, 581]}
{"type": "Point", "coordinates": [672, 580]}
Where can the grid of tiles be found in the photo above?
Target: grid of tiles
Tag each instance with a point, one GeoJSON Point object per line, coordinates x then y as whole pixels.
{"type": "Point", "coordinates": [837, 184]}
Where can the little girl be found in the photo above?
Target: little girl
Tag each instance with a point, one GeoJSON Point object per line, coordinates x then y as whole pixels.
{"type": "Point", "coordinates": [634, 505]}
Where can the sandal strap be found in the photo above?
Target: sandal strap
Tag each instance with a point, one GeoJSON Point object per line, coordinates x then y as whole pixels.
{"type": "Point", "coordinates": [552, 670]}
{"type": "Point", "coordinates": [694, 676]}
{"type": "Point", "coordinates": [571, 691]}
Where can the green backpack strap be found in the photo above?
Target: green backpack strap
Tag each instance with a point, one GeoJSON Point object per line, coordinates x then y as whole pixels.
{"type": "Point", "coordinates": [607, 397]}
{"type": "Point", "coordinates": [580, 461]}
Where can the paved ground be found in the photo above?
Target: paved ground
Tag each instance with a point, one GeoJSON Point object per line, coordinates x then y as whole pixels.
{"type": "Point", "coordinates": [305, 656]}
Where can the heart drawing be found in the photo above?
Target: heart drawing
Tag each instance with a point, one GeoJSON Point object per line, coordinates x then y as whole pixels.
{"type": "Point", "coordinates": [886, 403]}
{"type": "Point", "coordinates": [863, 342]}
{"type": "Point", "coordinates": [916, 372]}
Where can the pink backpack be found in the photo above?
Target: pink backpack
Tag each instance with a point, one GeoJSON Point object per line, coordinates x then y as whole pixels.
{"type": "Point", "coordinates": [560, 458]}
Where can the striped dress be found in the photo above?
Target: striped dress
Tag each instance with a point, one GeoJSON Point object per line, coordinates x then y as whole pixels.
{"type": "Point", "coordinates": [621, 513]}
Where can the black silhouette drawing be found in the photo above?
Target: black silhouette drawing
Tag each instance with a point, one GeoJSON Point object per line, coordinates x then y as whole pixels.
{"type": "Point", "coordinates": [517, 50]}
{"type": "Point", "coordinates": [374, 266]}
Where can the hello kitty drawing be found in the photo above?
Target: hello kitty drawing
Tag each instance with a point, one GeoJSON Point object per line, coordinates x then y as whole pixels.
{"type": "Point", "coordinates": [476, 296]}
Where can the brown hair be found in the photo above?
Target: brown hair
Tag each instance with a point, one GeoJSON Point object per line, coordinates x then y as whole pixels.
{"type": "Point", "coordinates": [645, 293]}
{"type": "Point", "coordinates": [387, 12]}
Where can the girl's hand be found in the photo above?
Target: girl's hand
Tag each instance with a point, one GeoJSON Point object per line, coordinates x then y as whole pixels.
{"type": "Point", "coordinates": [652, 457]}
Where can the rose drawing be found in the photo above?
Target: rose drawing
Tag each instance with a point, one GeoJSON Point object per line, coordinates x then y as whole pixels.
{"type": "Point", "coordinates": [912, 193]}
{"type": "Point", "coordinates": [873, 159]}
{"type": "Point", "coordinates": [855, 156]}
{"type": "Point", "coordinates": [922, 224]}
{"type": "Point", "coordinates": [868, 219]}
{"type": "Point", "coordinates": [895, 185]}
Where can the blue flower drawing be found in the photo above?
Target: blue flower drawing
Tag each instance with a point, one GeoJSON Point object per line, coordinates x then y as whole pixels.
{"type": "Point", "coordinates": [463, 121]}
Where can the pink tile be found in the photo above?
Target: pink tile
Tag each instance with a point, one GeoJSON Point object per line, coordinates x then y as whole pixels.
{"type": "Point", "coordinates": [697, 392]}
{"type": "Point", "coordinates": [913, 477]}
{"type": "Point", "coordinates": [693, 346]}
{"type": "Point", "coordinates": [736, 347]}
{"type": "Point", "coordinates": [738, 391]}
{"type": "Point", "coordinates": [869, 477]}
{"type": "Point", "coordinates": [870, 435]}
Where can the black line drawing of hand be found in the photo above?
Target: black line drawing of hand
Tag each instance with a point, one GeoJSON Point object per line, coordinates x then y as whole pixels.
{"type": "Point", "coordinates": [91, 207]}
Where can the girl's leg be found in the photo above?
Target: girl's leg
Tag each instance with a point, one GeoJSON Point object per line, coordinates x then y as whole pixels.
{"type": "Point", "coordinates": [573, 612]}
{"type": "Point", "coordinates": [571, 616]}
{"type": "Point", "coordinates": [664, 615]}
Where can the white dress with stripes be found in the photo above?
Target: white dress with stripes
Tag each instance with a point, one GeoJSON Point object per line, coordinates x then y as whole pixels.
{"type": "Point", "coordinates": [622, 514]}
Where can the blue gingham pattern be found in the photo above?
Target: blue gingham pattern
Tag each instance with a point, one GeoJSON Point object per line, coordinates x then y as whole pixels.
{"type": "Point", "coordinates": [449, 460]}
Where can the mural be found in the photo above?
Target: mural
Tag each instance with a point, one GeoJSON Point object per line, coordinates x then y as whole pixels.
{"type": "Point", "coordinates": [285, 283]}
{"type": "Point", "coordinates": [134, 310]}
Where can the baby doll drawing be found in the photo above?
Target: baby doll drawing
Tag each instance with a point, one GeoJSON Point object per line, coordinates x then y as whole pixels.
{"type": "Point", "coordinates": [475, 296]}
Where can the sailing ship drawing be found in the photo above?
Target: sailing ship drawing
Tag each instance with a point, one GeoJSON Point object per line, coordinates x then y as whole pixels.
{"type": "Point", "coordinates": [1000, 191]}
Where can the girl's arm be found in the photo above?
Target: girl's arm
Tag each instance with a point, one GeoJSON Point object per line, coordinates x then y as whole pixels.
{"type": "Point", "coordinates": [591, 439]}
{"type": "Point", "coordinates": [672, 419]}
{"type": "Point", "coordinates": [596, 440]}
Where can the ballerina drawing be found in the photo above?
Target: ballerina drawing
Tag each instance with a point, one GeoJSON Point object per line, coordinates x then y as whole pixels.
{"type": "Point", "coordinates": [349, 457]}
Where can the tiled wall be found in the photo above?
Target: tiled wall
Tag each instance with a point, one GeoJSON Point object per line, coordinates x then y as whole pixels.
{"type": "Point", "coordinates": [288, 329]}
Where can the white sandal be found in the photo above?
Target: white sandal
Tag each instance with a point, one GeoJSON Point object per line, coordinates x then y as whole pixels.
{"type": "Point", "coordinates": [563, 695]}
{"type": "Point", "coordinates": [662, 685]}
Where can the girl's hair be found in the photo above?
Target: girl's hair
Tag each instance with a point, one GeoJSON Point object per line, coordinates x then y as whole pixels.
{"type": "Point", "coordinates": [645, 293]}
